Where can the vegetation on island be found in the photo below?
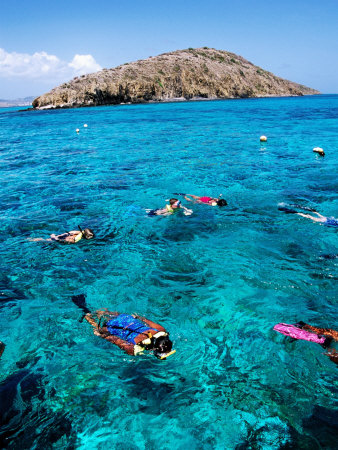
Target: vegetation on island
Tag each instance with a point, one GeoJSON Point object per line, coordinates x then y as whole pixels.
{"type": "Point", "coordinates": [194, 73]}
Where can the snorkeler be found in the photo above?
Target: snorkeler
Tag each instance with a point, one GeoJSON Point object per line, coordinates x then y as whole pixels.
{"type": "Point", "coordinates": [327, 221]}
{"type": "Point", "coordinates": [2, 348]}
{"type": "Point", "coordinates": [328, 332]}
{"type": "Point", "coordinates": [174, 206]}
{"type": "Point", "coordinates": [305, 332]}
{"type": "Point", "coordinates": [132, 333]}
{"type": "Point", "coordinates": [72, 237]}
{"type": "Point", "coordinates": [212, 201]}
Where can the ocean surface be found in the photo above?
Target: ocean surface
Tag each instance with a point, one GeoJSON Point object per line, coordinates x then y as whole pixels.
{"type": "Point", "coordinates": [218, 280]}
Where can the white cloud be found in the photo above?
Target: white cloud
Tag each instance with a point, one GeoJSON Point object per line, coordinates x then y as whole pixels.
{"type": "Point", "coordinates": [84, 64]}
{"type": "Point", "coordinates": [41, 65]}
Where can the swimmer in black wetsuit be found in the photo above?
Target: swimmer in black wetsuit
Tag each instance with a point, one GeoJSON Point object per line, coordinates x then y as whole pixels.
{"type": "Point", "coordinates": [327, 221]}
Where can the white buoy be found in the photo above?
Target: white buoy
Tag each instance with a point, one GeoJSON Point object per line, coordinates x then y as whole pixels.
{"type": "Point", "coordinates": [263, 138]}
{"type": "Point", "coordinates": [85, 125]}
{"type": "Point", "coordinates": [319, 150]}
{"type": "Point", "coordinates": [77, 130]}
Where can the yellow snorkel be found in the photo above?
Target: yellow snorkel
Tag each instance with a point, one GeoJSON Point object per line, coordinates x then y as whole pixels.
{"type": "Point", "coordinates": [168, 354]}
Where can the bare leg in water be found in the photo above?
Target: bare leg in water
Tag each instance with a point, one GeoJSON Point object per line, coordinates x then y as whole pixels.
{"type": "Point", "coordinates": [320, 217]}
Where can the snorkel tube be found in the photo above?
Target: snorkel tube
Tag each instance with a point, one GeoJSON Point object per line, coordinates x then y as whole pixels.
{"type": "Point", "coordinates": [218, 198]}
{"type": "Point", "coordinates": [165, 356]}
{"type": "Point", "coordinates": [221, 201]}
{"type": "Point", "coordinates": [162, 347]}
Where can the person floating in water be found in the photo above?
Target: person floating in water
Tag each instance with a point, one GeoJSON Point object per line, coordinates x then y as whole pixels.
{"type": "Point", "coordinates": [72, 237]}
{"type": "Point", "coordinates": [2, 348]}
{"type": "Point", "coordinates": [174, 206]}
{"type": "Point", "coordinates": [212, 201]}
{"type": "Point", "coordinates": [306, 332]}
{"type": "Point", "coordinates": [327, 221]}
{"type": "Point", "coordinates": [132, 333]}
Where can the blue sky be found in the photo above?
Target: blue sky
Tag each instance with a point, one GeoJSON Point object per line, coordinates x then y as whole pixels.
{"type": "Point", "coordinates": [44, 43]}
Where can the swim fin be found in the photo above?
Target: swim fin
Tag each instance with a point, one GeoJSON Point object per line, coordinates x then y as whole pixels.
{"type": "Point", "coordinates": [327, 342]}
{"type": "Point", "coordinates": [287, 210]}
{"type": "Point", "coordinates": [306, 208]}
{"type": "Point", "coordinates": [299, 324]}
{"type": "Point", "coordinates": [2, 348]}
{"type": "Point", "coordinates": [152, 212]}
{"type": "Point", "coordinates": [80, 302]}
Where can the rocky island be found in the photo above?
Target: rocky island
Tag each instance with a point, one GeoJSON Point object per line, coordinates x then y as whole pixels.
{"type": "Point", "coordinates": [200, 73]}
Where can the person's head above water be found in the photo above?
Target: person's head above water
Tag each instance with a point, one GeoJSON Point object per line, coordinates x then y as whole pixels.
{"type": "Point", "coordinates": [221, 202]}
{"type": "Point", "coordinates": [87, 233]}
{"type": "Point", "coordinates": [175, 203]}
{"type": "Point", "coordinates": [162, 347]}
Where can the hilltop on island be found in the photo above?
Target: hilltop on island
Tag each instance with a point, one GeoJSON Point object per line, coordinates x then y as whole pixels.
{"type": "Point", "coordinates": [180, 75]}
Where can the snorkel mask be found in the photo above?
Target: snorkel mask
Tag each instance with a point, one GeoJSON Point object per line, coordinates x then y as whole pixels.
{"type": "Point", "coordinates": [163, 348]}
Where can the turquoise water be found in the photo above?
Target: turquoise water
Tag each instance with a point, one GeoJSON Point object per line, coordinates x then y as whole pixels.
{"type": "Point", "coordinates": [218, 280]}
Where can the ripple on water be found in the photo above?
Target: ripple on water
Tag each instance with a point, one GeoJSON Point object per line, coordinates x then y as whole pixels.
{"type": "Point", "coordinates": [218, 280]}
